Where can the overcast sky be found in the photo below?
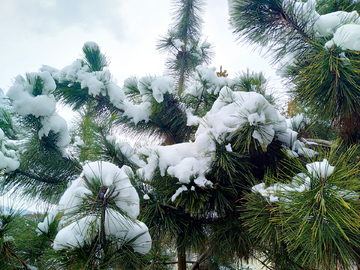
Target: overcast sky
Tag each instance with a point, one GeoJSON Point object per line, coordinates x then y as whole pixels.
{"type": "Point", "coordinates": [52, 32]}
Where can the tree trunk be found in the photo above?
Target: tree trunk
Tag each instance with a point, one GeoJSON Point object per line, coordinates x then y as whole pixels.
{"type": "Point", "coordinates": [182, 77]}
{"type": "Point", "coordinates": [102, 231]}
{"type": "Point", "coordinates": [181, 258]}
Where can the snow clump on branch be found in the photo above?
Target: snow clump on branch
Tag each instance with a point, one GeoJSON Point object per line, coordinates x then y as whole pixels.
{"type": "Point", "coordinates": [101, 184]}
{"type": "Point", "coordinates": [231, 112]}
{"type": "Point", "coordinates": [34, 96]}
{"type": "Point", "coordinates": [317, 174]}
{"type": "Point", "coordinates": [8, 157]}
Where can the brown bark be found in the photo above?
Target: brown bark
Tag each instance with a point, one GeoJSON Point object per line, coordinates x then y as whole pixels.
{"type": "Point", "coordinates": [181, 258]}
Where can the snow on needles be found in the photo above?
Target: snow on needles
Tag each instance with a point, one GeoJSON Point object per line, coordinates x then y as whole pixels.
{"type": "Point", "coordinates": [190, 162]}
{"type": "Point", "coordinates": [340, 28]}
{"type": "Point", "coordinates": [110, 180]}
{"type": "Point", "coordinates": [33, 96]}
{"type": "Point", "coordinates": [318, 174]}
{"type": "Point", "coordinates": [100, 83]}
{"type": "Point", "coordinates": [25, 101]}
{"type": "Point", "coordinates": [8, 157]}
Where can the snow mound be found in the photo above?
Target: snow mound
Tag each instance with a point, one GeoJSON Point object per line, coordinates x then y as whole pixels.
{"type": "Point", "coordinates": [102, 181]}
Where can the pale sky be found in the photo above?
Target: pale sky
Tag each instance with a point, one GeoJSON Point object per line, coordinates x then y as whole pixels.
{"type": "Point", "coordinates": [52, 32]}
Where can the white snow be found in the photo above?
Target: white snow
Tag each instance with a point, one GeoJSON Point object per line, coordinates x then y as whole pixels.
{"type": "Point", "coordinates": [92, 81]}
{"type": "Point", "coordinates": [301, 149]}
{"type": "Point", "coordinates": [347, 37]}
{"type": "Point", "coordinates": [192, 119]}
{"type": "Point", "coordinates": [228, 147]}
{"type": "Point", "coordinates": [327, 24]}
{"type": "Point", "coordinates": [116, 94]}
{"type": "Point", "coordinates": [303, 10]}
{"type": "Point", "coordinates": [178, 43]}
{"type": "Point", "coordinates": [9, 164]}
{"type": "Point", "coordinates": [25, 103]}
{"type": "Point", "coordinates": [92, 45]}
{"type": "Point", "coordinates": [189, 162]}
{"type": "Point", "coordinates": [178, 191]}
{"type": "Point", "coordinates": [78, 141]}
{"type": "Point", "coordinates": [162, 85]}
{"type": "Point", "coordinates": [8, 157]}
{"type": "Point", "coordinates": [75, 233]}
{"type": "Point", "coordinates": [319, 170]}
{"type": "Point", "coordinates": [137, 112]}
{"type": "Point", "coordinates": [58, 125]}
{"type": "Point", "coordinates": [205, 45]}
{"type": "Point", "coordinates": [43, 227]}
{"type": "Point", "coordinates": [342, 27]}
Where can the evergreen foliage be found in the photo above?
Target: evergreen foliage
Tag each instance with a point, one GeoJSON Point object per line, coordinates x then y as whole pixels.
{"type": "Point", "coordinates": [182, 41]}
{"type": "Point", "coordinates": [324, 79]}
{"type": "Point", "coordinates": [229, 179]}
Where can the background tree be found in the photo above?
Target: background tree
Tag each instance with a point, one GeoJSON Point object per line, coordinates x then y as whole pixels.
{"type": "Point", "coordinates": [183, 41]}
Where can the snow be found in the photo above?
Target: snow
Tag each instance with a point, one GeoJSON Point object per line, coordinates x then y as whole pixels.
{"type": "Point", "coordinates": [192, 119]}
{"type": "Point", "coordinates": [137, 112]}
{"type": "Point", "coordinates": [319, 170]}
{"type": "Point", "coordinates": [8, 157]}
{"type": "Point", "coordinates": [194, 90]}
{"type": "Point", "coordinates": [116, 94]}
{"type": "Point", "coordinates": [75, 233]}
{"type": "Point", "coordinates": [25, 103]}
{"type": "Point", "coordinates": [228, 147]}
{"type": "Point", "coordinates": [142, 244]}
{"type": "Point", "coordinates": [245, 108]}
{"type": "Point", "coordinates": [41, 104]}
{"type": "Point", "coordinates": [129, 152]}
{"type": "Point", "coordinates": [347, 37]}
{"type": "Point", "coordinates": [58, 125]}
{"type": "Point", "coordinates": [92, 81]}
{"type": "Point", "coordinates": [156, 86]}
{"type": "Point", "coordinates": [178, 191]}
{"type": "Point", "coordinates": [162, 85]}
{"type": "Point", "coordinates": [9, 164]}
{"type": "Point", "coordinates": [92, 45]}
{"type": "Point", "coordinates": [43, 227]}
{"type": "Point", "coordinates": [207, 74]}
{"type": "Point", "coordinates": [205, 45]}
{"type": "Point", "coordinates": [298, 122]}
{"type": "Point", "coordinates": [78, 141]}
{"type": "Point", "coordinates": [327, 24]}
{"type": "Point", "coordinates": [342, 27]}
{"type": "Point", "coordinates": [178, 43]}
{"type": "Point", "coordinates": [190, 162]}
{"type": "Point", "coordinates": [304, 10]}
{"type": "Point", "coordinates": [69, 73]}
{"type": "Point", "coordinates": [301, 149]}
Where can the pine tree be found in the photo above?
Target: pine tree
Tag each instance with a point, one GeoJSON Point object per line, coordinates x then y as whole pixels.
{"type": "Point", "coordinates": [183, 41]}
{"type": "Point", "coordinates": [314, 49]}
{"type": "Point", "coordinates": [227, 181]}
